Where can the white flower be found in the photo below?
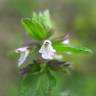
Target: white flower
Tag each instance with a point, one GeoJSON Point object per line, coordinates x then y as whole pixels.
{"type": "Point", "coordinates": [24, 52]}
{"type": "Point", "coordinates": [66, 41]}
{"type": "Point", "coordinates": [47, 50]}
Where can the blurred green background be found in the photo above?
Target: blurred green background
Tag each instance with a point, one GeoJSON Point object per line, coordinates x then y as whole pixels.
{"type": "Point", "coordinates": [75, 17]}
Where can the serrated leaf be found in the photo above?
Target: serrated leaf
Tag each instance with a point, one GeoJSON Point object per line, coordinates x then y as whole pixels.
{"type": "Point", "coordinates": [34, 29]}
{"type": "Point", "coordinates": [66, 48]}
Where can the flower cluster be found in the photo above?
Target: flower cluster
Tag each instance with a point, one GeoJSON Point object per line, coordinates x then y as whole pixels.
{"type": "Point", "coordinates": [38, 29]}
{"type": "Point", "coordinates": [47, 52]}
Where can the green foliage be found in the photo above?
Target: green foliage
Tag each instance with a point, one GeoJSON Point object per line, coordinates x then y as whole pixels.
{"type": "Point", "coordinates": [35, 29]}
{"type": "Point", "coordinates": [38, 26]}
{"type": "Point", "coordinates": [12, 53]}
{"type": "Point", "coordinates": [37, 84]}
{"type": "Point", "coordinates": [42, 79]}
{"type": "Point", "coordinates": [44, 19]}
{"type": "Point", "coordinates": [60, 47]}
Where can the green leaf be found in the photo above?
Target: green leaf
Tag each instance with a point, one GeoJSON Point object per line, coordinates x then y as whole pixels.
{"type": "Point", "coordinates": [47, 19]}
{"type": "Point", "coordinates": [60, 47]}
{"type": "Point", "coordinates": [38, 27]}
{"type": "Point", "coordinates": [35, 84]}
{"type": "Point", "coordinates": [43, 18]}
{"type": "Point", "coordinates": [12, 53]}
{"type": "Point", "coordinates": [34, 29]}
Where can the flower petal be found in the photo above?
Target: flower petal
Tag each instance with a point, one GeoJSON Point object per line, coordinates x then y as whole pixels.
{"type": "Point", "coordinates": [47, 51]}
{"type": "Point", "coordinates": [66, 41]}
{"type": "Point", "coordinates": [24, 52]}
{"type": "Point", "coordinates": [23, 57]}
